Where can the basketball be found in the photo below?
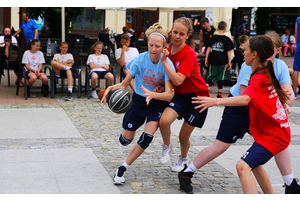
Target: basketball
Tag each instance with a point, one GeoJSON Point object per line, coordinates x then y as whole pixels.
{"type": "Point", "coordinates": [119, 101]}
{"type": "Point", "coordinates": [101, 93]}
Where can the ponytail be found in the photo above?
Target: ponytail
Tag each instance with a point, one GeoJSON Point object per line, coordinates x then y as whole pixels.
{"type": "Point", "coordinates": [274, 81]}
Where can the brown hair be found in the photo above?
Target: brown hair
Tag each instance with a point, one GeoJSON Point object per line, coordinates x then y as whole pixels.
{"type": "Point", "coordinates": [63, 43]}
{"type": "Point", "coordinates": [264, 47]}
{"type": "Point", "coordinates": [125, 37]}
{"type": "Point", "coordinates": [243, 38]}
{"type": "Point", "coordinates": [222, 25]}
{"type": "Point", "coordinates": [94, 45]}
{"type": "Point", "coordinates": [31, 42]}
{"type": "Point", "coordinates": [204, 19]}
{"type": "Point", "coordinates": [183, 20]}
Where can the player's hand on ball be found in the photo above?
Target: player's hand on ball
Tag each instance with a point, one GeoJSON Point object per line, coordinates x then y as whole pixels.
{"type": "Point", "coordinates": [104, 98]}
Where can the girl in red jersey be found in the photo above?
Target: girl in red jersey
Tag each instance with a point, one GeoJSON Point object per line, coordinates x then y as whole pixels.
{"type": "Point", "coordinates": [188, 83]}
{"type": "Point", "coordinates": [269, 124]}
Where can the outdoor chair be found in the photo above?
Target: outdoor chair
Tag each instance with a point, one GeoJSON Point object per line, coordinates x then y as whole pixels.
{"type": "Point", "coordinates": [88, 77]}
{"type": "Point", "coordinates": [54, 79]}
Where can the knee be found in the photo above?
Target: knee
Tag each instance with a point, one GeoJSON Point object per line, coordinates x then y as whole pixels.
{"type": "Point", "coordinates": [164, 122]}
{"type": "Point", "coordinates": [242, 168]}
{"type": "Point", "coordinates": [69, 73]}
{"type": "Point", "coordinates": [94, 77]}
{"type": "Point", "coordinates": [145, 140]}
{"type": "Point", "coordinates": [124, 141]}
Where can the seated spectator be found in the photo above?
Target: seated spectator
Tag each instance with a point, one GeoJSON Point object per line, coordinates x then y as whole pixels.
{"type": "Point", "coordinates": [111, 35]}
{"type": "Point", "coordinates": [125, 30]}
{"type": "Point", "coordinates": [132, 37]}
{"type": "Point", "coordinates": [140, 35]}
{"type": "Point", "coordinates": [292, 42]}
{"type": "Point", "coordinates": [62, 67]}
{"type": "Point", "coordinates": [7, 31]}
{"type": "Point", "coordinates": [33, 60]}
{"type": "Point", "coordinates": [99, 64]}
{"type": "Point", "coordinates": [285, 41]}
{"type": "Point", "coordinates": [125, 54]}
{"type": "Point", "coordinates": [10, 52]}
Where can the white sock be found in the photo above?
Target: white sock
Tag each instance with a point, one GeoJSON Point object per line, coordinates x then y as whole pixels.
{"type": "Point", "coordinates": [67, 67]}
{"type": "Point", "coordinates": [125, 165]}
{"type": "Point", "coordinates": [191, 168]}
{"type": "Point", "coordinates": [288, 179]}
{"type": "Point", "coordinates": [70, 88]}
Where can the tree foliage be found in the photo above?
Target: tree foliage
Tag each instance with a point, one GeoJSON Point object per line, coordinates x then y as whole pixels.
{"type": "Point", "coordinates": [262, 20]}
{"type": "Point", "coordinates": [53, 17]}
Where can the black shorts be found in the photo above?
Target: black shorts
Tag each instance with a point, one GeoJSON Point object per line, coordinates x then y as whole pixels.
{"type": "Point", "coordinates": [235, 123]}
{"type": "Point", "coordinates": [182, 104]}
{"type": "Point", "coordinates": [139, 111]}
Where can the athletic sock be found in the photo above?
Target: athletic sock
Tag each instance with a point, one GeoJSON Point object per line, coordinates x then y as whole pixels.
{"type": "Point", "coordinates": [67, 67]}
{"type": "Point", "coordinates": [125, 165]}
{"type": "Point", "coordinates": [288, 179]}
{"type": "Point", "coordinates": [191, 168]}
{"type": "Point", "coordinates": [93, 89]}
{"type": "Point", "coordinates": [70, 88]}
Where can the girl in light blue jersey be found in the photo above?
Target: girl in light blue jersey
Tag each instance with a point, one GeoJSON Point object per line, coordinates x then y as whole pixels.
{"type": "Point", "coordinates": [149, 72]}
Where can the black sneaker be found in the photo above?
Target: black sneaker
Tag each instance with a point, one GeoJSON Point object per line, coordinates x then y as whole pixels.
{"type": "Point", "coordinates": [294, 188]}
{"type": "Point", "coordinates": [45, 93]}
{"type": "Point", "coordinates": [119, 176]}
{"type": "Point", "coordinates": [75, 71]}
{"type": "Point", "coordinates": [185, 181]}
{"type": "Point", "coordinates": [69, 96]}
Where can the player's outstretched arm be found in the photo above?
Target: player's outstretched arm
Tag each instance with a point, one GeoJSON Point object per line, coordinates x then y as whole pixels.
{"type": "Point", "coordinates": [207, 102]}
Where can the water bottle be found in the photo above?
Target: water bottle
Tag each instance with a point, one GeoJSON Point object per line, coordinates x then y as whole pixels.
{"type": "Point", "coordinates": [49, 49]}
{"type": "Point", "coordinates": [55, 47]}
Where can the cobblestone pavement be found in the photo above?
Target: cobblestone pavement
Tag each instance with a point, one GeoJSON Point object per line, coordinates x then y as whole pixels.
{"type": "Point", "coordinates": [100, 129]}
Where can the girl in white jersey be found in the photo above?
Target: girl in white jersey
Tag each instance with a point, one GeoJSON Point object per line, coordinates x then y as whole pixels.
{"type": "Point", "coordinates": [62, 66]}
{"type": "Point", "coordinates": [99, 64]}
{"type": "Point", "coordinates": [33, 60]}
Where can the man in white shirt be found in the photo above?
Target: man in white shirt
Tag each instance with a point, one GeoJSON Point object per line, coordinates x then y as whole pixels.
{"type": "Point", "coordinates": [7, 31]}
{"type": "Point", "coordinates": [125, 54]}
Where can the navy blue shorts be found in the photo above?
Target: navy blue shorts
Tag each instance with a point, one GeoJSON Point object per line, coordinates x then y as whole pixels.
{"type": "Point", "coordinates": [234, 124]}
{"type": "Point", "coordinates": [182, 104]}
{"type": "Point", "coordinates": [296, 65]}
{"type": "Point", "coordinates": [27, 72]}
{"type": "Point", "coordinates": [257, 155]}
{"type": "Point", "coordinates": [139, 111]}
{"type": "Point", "coordinates": [63, 74]}
{"type": "Point", "coordinates": [100, 74]}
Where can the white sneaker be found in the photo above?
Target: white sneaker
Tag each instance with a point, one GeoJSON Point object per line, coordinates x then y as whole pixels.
{"type": "Point", "coordinates": [180, 164]}
{"type": "Point", "coordinates": [165, 155]}
{"type": "Point", "coordinates": [94, 95]}
{"type": "Point", "coordinates": [119, 176]}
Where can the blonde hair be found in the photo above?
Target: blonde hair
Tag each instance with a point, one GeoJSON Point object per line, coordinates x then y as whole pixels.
{"type": "Point", "coordinates": [275, 39]}
{"type": "Point", "coordinates": [183, 20]}
{"type": "Point", "coordinates": [158, 29]}
{"type": "Point", "coordinates": [94, 45]}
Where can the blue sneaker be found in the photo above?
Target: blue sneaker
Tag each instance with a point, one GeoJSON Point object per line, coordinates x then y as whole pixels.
{"type": "Point", "coordinates": [296, 95]}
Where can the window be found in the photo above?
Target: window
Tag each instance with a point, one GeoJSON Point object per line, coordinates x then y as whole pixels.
{"type": "Point", "coordinates": [90, 20]}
